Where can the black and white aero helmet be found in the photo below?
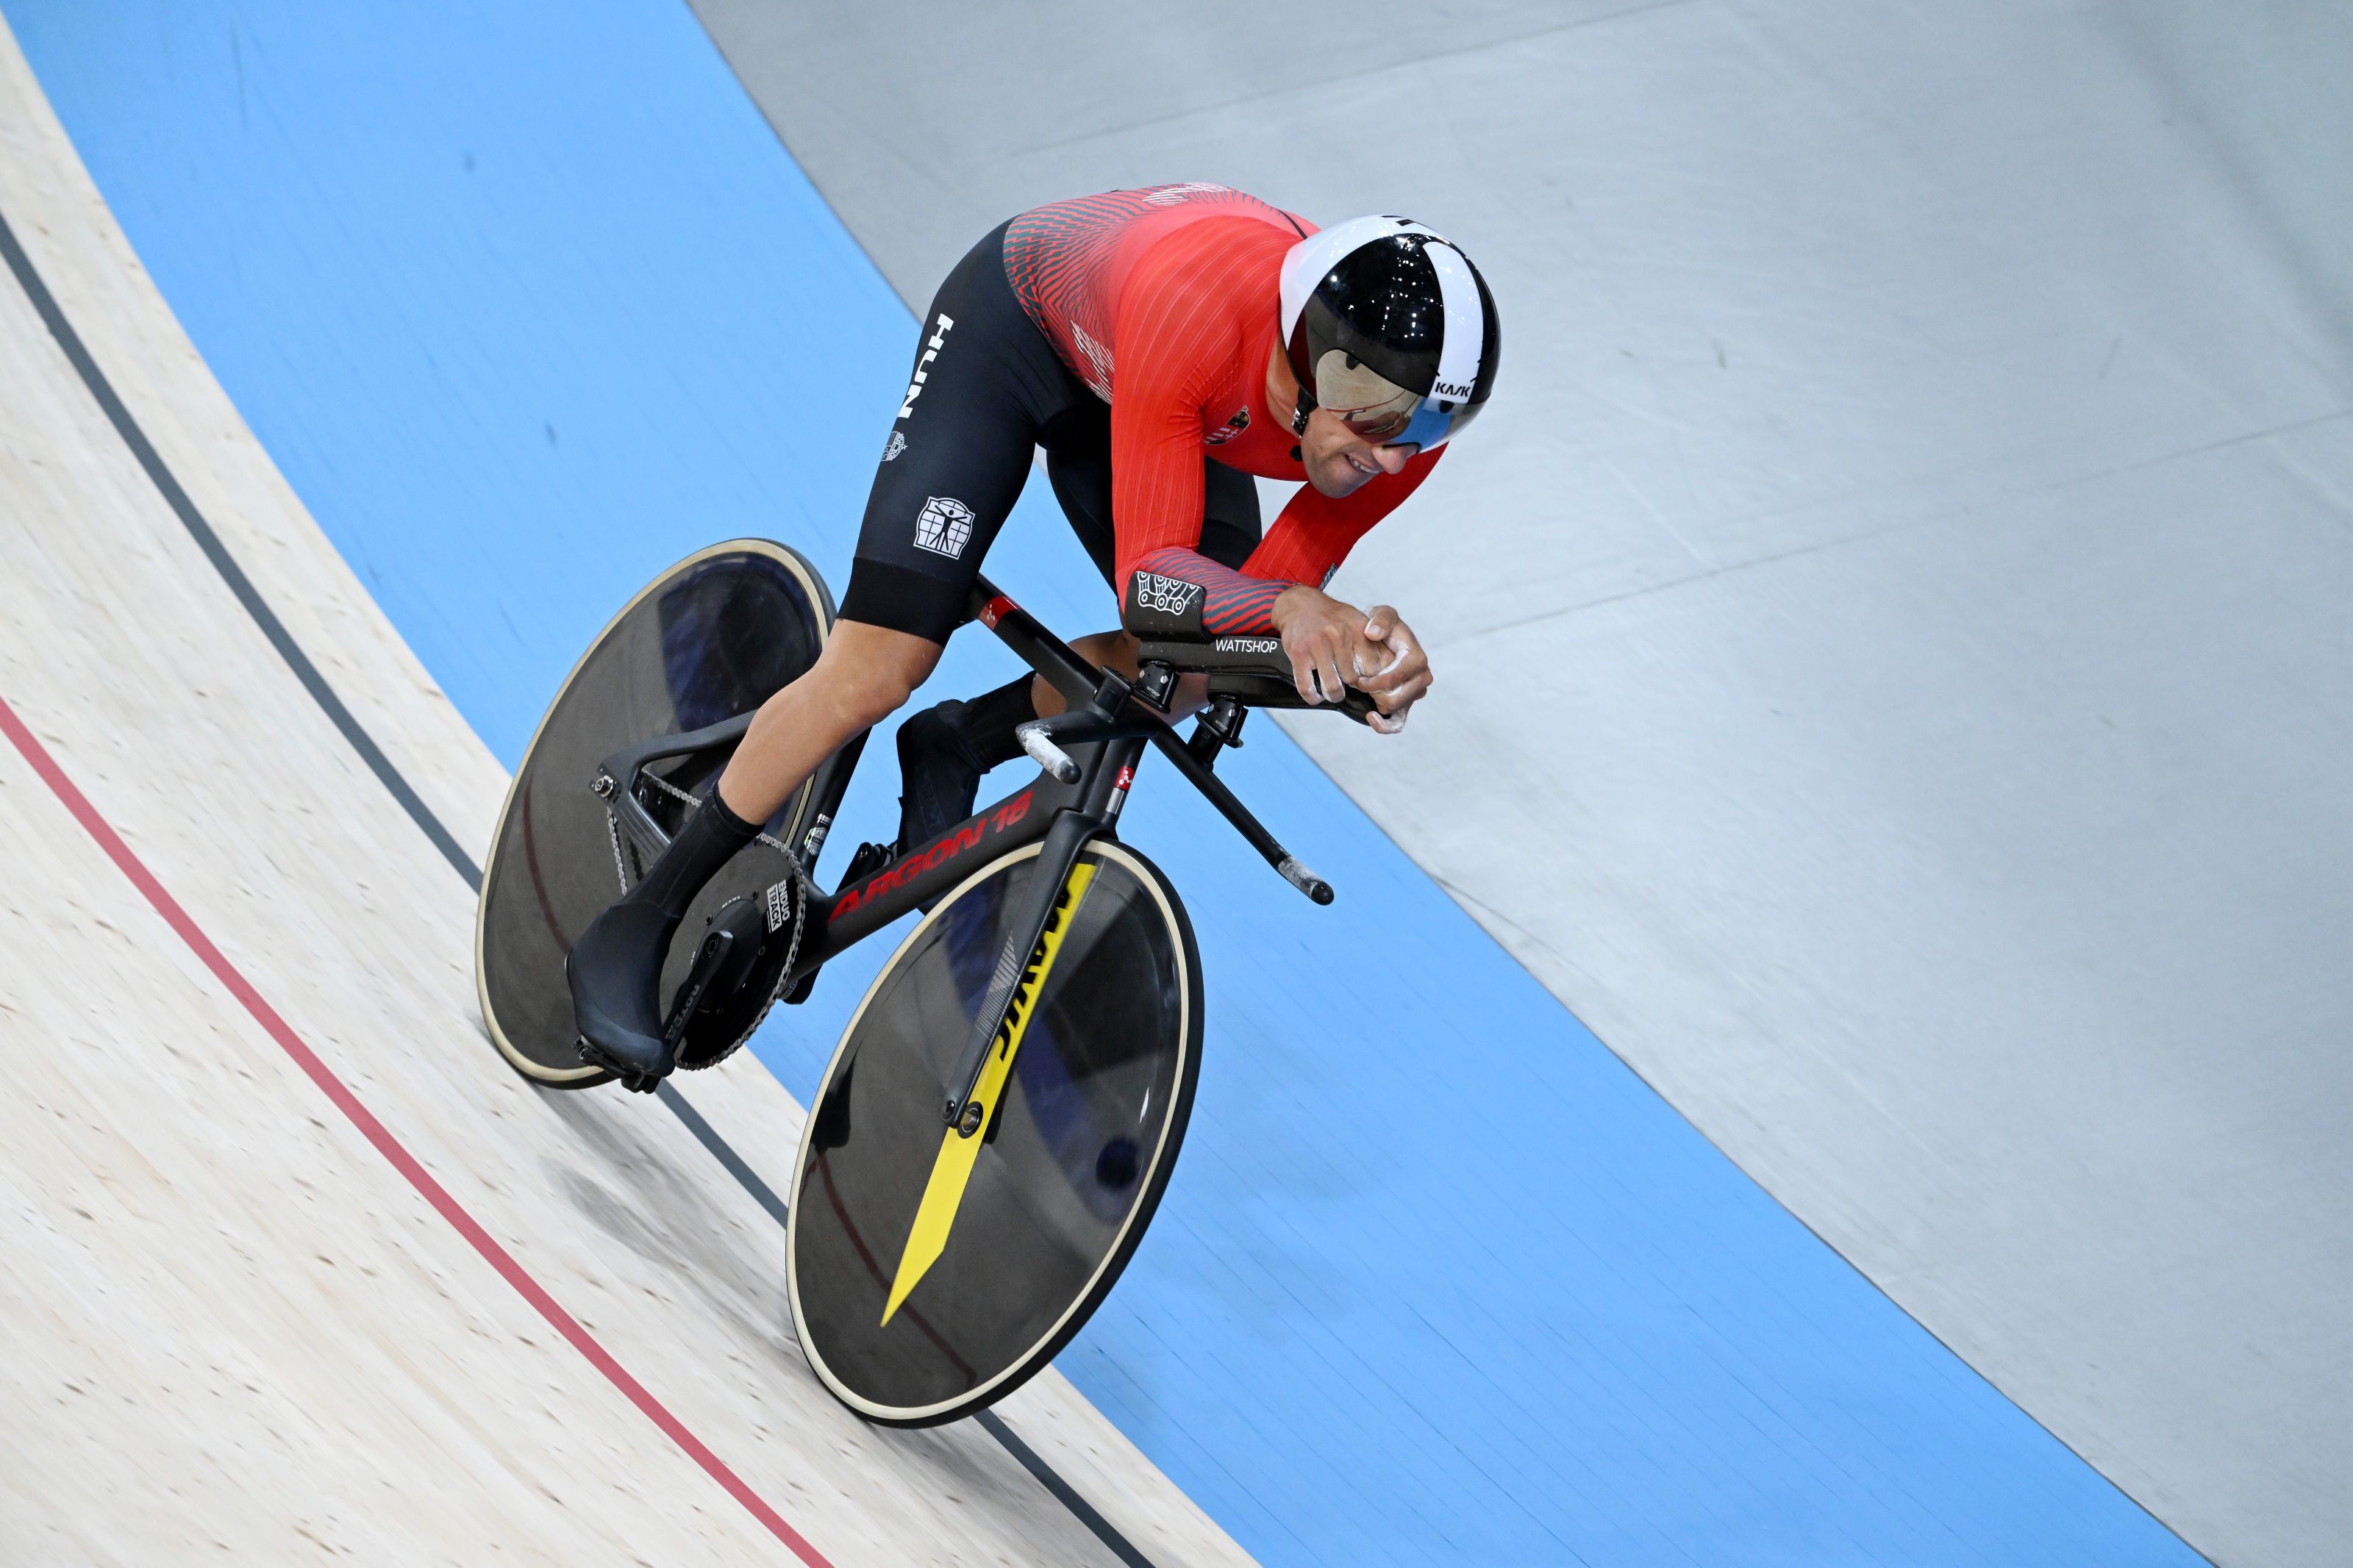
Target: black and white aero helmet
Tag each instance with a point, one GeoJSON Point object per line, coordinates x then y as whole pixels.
{"type": "Point", "coordinates": [1389, 326]}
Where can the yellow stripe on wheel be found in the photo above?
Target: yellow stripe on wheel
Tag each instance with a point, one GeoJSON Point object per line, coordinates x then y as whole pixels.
{"type": "Point", "coordinates": [952, 1172]}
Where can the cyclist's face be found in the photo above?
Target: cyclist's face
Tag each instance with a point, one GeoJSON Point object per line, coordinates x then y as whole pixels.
{"type": "Point", "coordinates": [1339, 460]}
{"type": "Point", "coordinates": [1339, 456]}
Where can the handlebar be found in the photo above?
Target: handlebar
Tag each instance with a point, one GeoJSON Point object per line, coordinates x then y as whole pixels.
{"type": "Point", "coordinates": [1244, 672]}
{"type": "Point", "coordinates": [1038, 743]}
{"type": "Point", "coordinates": [1305, 880]}
{"type": "Point", "coordinates": [1252, 669]}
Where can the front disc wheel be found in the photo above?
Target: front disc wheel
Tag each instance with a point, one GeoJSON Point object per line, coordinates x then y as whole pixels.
{"type": "Point", "coordinates": [913, 1309]}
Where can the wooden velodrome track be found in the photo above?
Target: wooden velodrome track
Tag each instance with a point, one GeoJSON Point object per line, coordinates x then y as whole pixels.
{"type": "Point", "coordinates": [290, 1265]}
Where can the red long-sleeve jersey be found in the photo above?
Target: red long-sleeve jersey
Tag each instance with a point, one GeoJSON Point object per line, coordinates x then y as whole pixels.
{"type": "Point", "coordinates": [1166, 302]}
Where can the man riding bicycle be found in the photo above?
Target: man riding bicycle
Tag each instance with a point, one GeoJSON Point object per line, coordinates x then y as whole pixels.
{"type": "Point", "coordinates": [1247, 342]}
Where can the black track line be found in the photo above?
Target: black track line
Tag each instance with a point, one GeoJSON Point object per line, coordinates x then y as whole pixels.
{"type": "Point", "coordinates": [226, 565]}
{"type": "Point", "coordinates": [722, 1152]}
{"type": "Point", "coordinates": [1052, 1479]}
{"type": "Point", "coordinates": [44, 305]}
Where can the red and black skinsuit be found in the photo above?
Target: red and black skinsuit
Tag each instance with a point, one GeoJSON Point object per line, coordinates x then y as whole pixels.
{"type": "Point", "coordinates": [1129, 334]}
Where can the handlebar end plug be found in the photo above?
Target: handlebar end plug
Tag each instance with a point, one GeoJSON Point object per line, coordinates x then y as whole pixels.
{"type": "Point", "coordinates": [1042, 751]}
{"type": "Point", "coordinates": [1317, 888]}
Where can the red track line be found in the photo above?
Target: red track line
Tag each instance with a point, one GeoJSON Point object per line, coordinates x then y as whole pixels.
{"type": "Point", "coordinates": [529, 1288]}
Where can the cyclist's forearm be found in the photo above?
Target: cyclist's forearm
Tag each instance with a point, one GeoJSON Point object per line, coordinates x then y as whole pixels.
{"type": "Point", "coordinates": [1176, 592]}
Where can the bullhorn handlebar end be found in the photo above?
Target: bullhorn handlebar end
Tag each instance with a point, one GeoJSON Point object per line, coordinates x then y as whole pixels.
{"type": "Point", "coordinates": [1039, 744]}
{"type": "Point", "coordinates": [1305, 880]}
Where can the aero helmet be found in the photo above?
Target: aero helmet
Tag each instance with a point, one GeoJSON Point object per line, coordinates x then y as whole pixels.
{"type": "Point", "coordinates": [1389, 326]}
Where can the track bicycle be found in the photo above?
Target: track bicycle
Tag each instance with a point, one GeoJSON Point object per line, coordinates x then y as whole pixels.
{"type": "Point", "coordinates": [1000, 1118]}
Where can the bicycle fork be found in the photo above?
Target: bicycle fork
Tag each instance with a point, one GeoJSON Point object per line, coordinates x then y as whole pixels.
{"type": "Point", "coordinates": [1020, 961]}
{"type": "Point", "coordinates": [978, 1083]}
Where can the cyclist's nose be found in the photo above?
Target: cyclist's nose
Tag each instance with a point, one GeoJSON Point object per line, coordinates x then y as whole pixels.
{"type": "Point", "coordinates": [1394, 459]}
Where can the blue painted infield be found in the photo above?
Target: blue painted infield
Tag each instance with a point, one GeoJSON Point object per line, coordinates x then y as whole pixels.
{"type": "Point", "coordinates": [526, 302]}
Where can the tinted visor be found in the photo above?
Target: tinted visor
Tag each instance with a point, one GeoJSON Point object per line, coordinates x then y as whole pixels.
{"type": "Point", "coordinates": [1379, 410]}
{"type": "Point", "coordinates": [1367, 402]}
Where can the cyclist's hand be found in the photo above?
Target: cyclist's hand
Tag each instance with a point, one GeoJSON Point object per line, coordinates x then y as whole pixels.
{"type": "Point", "coordinates": [1398, 673]}
{"type": "Point", "coordinates": [1324, 638]}
{"type": "Point", "coordinates": [1332, 645]}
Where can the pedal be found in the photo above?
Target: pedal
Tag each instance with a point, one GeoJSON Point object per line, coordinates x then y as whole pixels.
{"type": "Point", "coordinates": [636, 1083]}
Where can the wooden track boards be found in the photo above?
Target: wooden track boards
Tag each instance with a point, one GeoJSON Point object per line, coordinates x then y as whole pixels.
{"type": "Point", "coordinates": [228, 1324]}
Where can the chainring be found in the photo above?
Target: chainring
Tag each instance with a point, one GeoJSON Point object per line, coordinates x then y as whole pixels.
{"type": "Point", "coordinates": [717, 1030]}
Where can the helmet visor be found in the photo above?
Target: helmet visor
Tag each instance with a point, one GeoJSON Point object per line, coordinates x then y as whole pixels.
{"type": "Point", "coordinates": [1378, 410]}
{"type": "Point", "coordinates": [1367, 402]}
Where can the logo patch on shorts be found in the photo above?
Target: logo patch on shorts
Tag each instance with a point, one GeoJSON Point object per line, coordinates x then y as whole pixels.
{"type": "Point", "coordinates": [894, 445]}
{"type": "Point", "coordinates": [944, 527]}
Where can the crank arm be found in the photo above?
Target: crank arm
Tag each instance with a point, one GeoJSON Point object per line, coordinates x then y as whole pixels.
{"type": "Point", "coordinates": [709, 960]}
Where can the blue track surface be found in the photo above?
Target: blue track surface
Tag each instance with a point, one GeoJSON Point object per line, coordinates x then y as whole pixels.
{"type": "Point", "coordinates": [526, 301]}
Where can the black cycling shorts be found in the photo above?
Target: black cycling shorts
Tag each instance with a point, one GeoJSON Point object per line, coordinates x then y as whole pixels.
{"type": "Point", "coordinates": [987, 390]}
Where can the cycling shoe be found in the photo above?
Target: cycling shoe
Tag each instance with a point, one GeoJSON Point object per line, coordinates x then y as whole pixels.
{"type": "Point", "coordinates": [615, 973]}
{"type": "Point", "coordinates": [939, 776]}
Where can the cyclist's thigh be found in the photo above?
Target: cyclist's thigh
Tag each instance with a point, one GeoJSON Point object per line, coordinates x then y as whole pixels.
{"type": "Point", "coordinates": [1079, 465]}
{"type": "Point", "coordinates": [983, 382]}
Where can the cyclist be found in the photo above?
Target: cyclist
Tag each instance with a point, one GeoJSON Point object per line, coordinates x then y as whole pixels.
{"type": "Point", "coordinates": [1162, 345]}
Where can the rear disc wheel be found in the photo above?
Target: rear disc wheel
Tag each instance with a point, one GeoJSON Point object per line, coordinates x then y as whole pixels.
{"type": "Point", "coordinates": [714, 637]}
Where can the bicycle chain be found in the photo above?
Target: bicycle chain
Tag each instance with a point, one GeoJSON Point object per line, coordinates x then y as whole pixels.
{"type": "Point", "coordinates": [621, 870]}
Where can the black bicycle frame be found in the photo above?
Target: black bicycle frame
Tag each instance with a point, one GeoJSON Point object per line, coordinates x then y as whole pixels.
{"type": "Point", "coordinates": [854, 912]}
{"type": "Point", "coordinates": [1090, 752]}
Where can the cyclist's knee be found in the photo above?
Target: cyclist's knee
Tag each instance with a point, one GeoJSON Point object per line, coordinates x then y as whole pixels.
{"type": "Point", "coordinates": [873, 670]}
{"type": "Point", "coordinates": [1109, 650]}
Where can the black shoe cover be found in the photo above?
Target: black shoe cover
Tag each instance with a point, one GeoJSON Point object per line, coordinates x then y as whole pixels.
{"type": "Point", "coordinates": [615, 972]}
{"type": "Point", "coordinates": [614, 969]}
{"type": "Point", "coordinates": [939, 776]}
